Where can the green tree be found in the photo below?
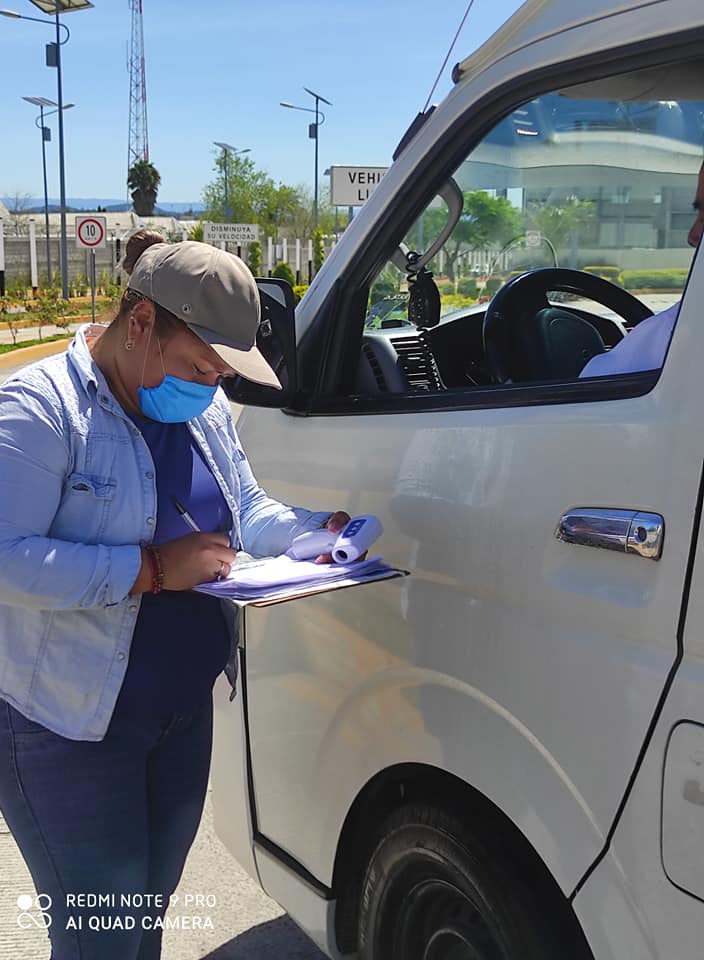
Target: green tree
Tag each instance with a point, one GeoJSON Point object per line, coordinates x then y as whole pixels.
{"type": "Point", "coordinates": [294, 210]}
{"type": "Point", "coordinates": [557, 221]}
{"type": "Point", "coordinates": [248, 191]}
{"type": "Point", "coordinates": [143, 180]}
{"type": "Point", "coordinates": [50, 307]}
{"type": "Point", "coordinates": [253, 197]}
{"type": "Point", "coordinates": [486, 222]}
{"type": "Point", "coordinates": [9, 314]}
{"type": "Point", "coordinates": [331, 220]}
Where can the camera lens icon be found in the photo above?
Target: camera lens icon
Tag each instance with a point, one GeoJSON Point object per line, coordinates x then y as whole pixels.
{"type": "Point", "coordinates": [26, 902]}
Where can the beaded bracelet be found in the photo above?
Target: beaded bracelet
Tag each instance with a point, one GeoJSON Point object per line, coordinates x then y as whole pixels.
{"type": "Point", "coordinates": [157, 571]}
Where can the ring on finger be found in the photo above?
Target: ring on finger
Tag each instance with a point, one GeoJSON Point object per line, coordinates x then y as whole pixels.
{"type": "Point", "coordinates": [218, 572]}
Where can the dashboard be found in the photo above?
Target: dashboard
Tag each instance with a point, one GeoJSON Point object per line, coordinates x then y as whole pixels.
{"type": "Point", "coordinates": [404, 359]}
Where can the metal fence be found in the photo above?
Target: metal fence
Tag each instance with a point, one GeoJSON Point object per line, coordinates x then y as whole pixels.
{"type": "Point", "coordinates": [23, 259]}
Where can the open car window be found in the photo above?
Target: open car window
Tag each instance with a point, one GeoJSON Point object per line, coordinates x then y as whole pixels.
{"type": "Point", "coordinates": [577, 208]}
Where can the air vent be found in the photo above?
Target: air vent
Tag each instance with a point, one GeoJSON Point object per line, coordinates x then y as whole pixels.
{"type": "Point", "coordinates": [417, 363]}
{"type": "Point", "coordinates": [375, 367]}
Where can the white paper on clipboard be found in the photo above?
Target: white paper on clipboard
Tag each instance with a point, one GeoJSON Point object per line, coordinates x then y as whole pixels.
{"type": "Point", "coordinates": [391, 573]}
{"type": "Point", "coordinates": [278, 579]}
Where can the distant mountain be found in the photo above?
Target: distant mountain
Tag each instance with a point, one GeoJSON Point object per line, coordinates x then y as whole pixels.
{"type": "Point", "coordinates": [197, 207]}
{"type": "Point", "coordinates": [36, 205]}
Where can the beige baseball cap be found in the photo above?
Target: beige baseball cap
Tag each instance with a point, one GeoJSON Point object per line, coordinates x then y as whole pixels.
{"type": "Point", "coordinates": [212, 291]}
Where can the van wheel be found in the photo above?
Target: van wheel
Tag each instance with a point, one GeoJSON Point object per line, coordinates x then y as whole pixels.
{"type": "Point", "coordinates": [436, 889]}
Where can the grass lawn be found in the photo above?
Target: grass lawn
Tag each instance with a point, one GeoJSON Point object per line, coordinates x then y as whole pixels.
{"type": "Point", "coordinates": [9, 347]}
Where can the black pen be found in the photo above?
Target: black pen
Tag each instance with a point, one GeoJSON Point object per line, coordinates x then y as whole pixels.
{"type": "Point", "coordinates": [186, 515]}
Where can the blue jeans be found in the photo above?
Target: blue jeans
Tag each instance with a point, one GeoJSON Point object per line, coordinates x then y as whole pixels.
{"type": "Point", "coordinates": [114, 817]}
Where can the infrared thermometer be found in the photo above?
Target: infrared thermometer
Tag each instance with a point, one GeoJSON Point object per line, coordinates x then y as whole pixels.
{"type": "Point", "coordinates": [357, 537]}
{"type": "Point", "coordinates": [310, 545]}
{"type": "Point", "coordinates": [345, 547]}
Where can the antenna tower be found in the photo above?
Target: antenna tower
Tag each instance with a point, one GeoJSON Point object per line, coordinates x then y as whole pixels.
{"type": "Point", "coordinates": [138, 146]}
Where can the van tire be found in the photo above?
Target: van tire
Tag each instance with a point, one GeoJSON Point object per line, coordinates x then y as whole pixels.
{"type": "Point", "coordinates": [441, 887]}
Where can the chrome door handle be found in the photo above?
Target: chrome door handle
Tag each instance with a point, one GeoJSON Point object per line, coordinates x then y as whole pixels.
{"type": "Point", "coordinates": [628, 531]}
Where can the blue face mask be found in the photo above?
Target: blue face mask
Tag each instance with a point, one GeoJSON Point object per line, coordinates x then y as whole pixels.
{"type": "Point", "coordinates": [174, 400]}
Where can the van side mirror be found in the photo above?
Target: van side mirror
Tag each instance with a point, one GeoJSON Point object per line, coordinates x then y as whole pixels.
{"type": "Point", "coordinates": [276, 339]}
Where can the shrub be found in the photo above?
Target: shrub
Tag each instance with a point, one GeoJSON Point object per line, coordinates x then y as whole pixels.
{"type": "Point", "coordinates": [607, 273]}
{"type": "Point", "coordinates": [17, 288]}
{"type": "Point", "coordinates": [298, 291]}
{"type": "Point", "coordinates": [51, 308]}
{"type": "Point", "coordinates": [453, 301]}
{"type": "Point", "coordinates": [255, 257]}
{"type": "Point", "coordinates": [9, 314]}
{"type": "Point", "coordinates": [654, 279]}
{"type": "Point", "coordinates": [467, 286]}
{"type": "Point", "coordinates": [383, 287]}
{"type": "Point", "coordinates": [492, 285]}
{"type": "Point", "coordinates": [102, 282]}
{"type": "Point", "coordinates": [80, 285]}
{"type": "Point", "coordinates": [284, 272]}
{"type": "Point", "coordinates": [318, 250]}
{"type": "Point", "coordinates": [196, 232]}
{"type": "Point", "coordinates": [446, 287]}
{"type": "Point", "coordinates": [113, 295]}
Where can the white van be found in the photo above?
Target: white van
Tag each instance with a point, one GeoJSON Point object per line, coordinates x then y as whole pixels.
{"type": "Point", "coordinates": [500, 756]}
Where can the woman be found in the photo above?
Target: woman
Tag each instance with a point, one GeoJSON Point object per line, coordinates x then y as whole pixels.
{"type": "Point", "coordinates": [107, 656]}
{"type": "Point", "coordinates": [136, 245]}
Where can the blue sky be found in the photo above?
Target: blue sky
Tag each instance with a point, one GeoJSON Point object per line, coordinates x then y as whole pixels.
{"type": "Point", "coordinates": [217, 70]}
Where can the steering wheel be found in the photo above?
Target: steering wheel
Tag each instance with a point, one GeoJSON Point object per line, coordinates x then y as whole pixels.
{"type": "Point", "coordinates": [527, 338]}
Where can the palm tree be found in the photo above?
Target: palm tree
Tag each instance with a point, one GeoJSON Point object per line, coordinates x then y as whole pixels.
{"type": "Point", "coordinates": [143, 180]}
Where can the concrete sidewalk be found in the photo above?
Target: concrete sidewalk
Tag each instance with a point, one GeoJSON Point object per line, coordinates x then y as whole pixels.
{"type": "Point", "coordinates": [32, 333]}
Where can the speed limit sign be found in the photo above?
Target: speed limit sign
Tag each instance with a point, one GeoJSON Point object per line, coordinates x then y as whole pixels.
{"type": "Point", "coordinates": [90, 232]}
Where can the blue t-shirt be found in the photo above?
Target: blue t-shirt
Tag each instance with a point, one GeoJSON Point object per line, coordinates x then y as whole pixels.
{"type": "Point", "coordinates": [180, 642]}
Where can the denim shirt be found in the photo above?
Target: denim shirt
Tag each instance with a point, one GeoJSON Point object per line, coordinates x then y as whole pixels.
{"type": "Point", "coordinates": [77, 498]}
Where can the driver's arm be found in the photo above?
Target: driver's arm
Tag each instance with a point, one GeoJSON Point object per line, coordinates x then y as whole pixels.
{"type": "Point", "coordinates": [643, 348]}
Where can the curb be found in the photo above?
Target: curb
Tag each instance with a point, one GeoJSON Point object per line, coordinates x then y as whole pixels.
{"type": "Point", "coordinates": [14, 358]}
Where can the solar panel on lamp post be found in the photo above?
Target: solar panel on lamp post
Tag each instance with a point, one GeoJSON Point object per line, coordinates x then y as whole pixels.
{"type": "Point", "coordinates": [53, 59]}
{"type": "Point", "coordinates": [42, 102]}
{"type": "Point", "coordinates": [228, 149]}
{"type": "Point", "coordinates": [313, 135]}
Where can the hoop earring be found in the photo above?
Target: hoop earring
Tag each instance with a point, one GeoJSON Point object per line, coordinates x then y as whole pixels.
{"type": "Point", "coordinates": [129, 344]}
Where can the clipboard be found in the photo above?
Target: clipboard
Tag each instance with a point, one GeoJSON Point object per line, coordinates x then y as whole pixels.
{"type": "Point", "coordinates": [310, 590]}
{"type": "Point", "coordinates": [302, 583]}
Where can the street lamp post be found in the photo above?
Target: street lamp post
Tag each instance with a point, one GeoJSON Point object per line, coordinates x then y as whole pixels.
{"type": "Point", "coordinates": [42, 102]}
{"type": "Point", "coordinates": [313, 135]}
{"type": "Point", "coordinates": [228, 149]}
{"type": "Point", "coordinates": [53, 59]}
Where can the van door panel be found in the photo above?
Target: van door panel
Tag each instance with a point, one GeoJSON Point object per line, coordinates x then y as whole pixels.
{"type": "Point", "coordinates": [568, 645]}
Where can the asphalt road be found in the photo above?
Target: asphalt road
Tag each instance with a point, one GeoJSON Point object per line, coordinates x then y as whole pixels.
{"type": "Point", "coordinates": [244, 923]}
